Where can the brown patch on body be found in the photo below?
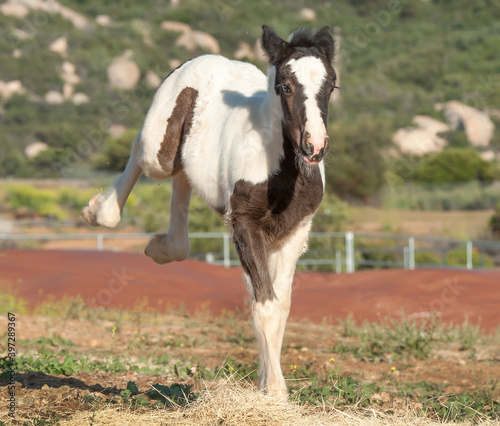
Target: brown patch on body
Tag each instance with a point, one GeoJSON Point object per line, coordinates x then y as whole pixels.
{"type": "Point", "coordinates": [264, 214]}
{"type": "Point", "coordinates": [178, 127]}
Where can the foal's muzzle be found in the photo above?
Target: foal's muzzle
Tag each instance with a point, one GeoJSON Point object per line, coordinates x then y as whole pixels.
{"type": "Point", "coordinates": [314, 149]}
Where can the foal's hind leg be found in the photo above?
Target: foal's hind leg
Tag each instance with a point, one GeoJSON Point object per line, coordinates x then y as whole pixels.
{"type": "Point", "coordinates": [106, 209]}
{"type": "Point", "coordinates": [174, 245]}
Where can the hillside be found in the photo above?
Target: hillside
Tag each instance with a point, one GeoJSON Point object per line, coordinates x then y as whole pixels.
{"type": "Point", "coordinates": [397, 59]}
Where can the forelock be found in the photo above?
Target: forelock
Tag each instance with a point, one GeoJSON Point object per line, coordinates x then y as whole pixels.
{"type": "Point", "coordinates": [301, 37]}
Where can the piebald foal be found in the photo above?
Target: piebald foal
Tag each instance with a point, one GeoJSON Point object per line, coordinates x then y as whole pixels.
{"type": "Point", "coordinates": [252, 147]}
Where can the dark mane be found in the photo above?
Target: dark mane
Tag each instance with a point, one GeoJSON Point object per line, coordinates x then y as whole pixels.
{"type": "Point", "coordinates": [302, 37]}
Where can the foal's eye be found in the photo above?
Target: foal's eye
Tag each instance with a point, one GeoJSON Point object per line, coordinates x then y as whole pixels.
{"type": "Point", "coordinates": [286, 88]}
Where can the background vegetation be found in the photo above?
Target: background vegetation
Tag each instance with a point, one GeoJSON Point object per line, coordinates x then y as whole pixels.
{"type": "Point", "coordinates": [395, 62]}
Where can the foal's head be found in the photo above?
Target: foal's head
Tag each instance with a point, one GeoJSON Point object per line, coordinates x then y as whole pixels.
{"type": "Point", "coordinates": [305, 80]}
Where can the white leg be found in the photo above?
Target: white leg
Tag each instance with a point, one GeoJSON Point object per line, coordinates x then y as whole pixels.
{"type": "Point", "coordinates": [106, 209]}
{"type": "Point", "coordinates": [174, 245]}
{"type": "Point", "coordinates": [270, 316]}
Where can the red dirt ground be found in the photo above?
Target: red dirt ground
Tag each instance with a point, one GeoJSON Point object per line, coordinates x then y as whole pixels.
{"type": "Point", "coordinates": [122, 280]}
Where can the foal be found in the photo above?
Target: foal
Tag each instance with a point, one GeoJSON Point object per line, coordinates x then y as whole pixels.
{"type": "Point", "coordinates": [252, 147]}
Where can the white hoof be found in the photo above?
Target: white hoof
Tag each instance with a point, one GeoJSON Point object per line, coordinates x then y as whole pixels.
{"type": "Point", "coordinates": [103, 210]}
{"type": "Point", "coordinates": [163, 251]}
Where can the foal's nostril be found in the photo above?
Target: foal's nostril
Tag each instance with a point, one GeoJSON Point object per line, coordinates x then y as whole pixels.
{"type": "Point", "coordinates": [309, 148]}
{"type": "Point", "coordinates": [321, 152]}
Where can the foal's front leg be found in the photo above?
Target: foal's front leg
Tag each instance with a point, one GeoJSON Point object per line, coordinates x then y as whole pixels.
{"type": "Point", "coordinates": [266, 308]}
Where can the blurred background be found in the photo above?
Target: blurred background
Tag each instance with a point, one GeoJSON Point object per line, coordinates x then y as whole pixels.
{"type": "Point", "coordinates": [415, 125]}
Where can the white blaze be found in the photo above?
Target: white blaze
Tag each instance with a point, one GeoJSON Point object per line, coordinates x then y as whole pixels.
{"type": "Point", "coordinates": [310, 73]}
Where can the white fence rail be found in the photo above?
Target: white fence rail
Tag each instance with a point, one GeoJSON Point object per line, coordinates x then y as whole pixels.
{"type": "Point", "coordinates": [334, 251]}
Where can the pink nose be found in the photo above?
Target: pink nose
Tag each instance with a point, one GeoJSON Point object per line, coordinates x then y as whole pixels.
{"type": "Point", "coordinates": [316, 144]}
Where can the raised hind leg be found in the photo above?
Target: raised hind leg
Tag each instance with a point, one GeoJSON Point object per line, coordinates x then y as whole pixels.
{"type": "Point", "coordinates": [106, 209]}
{"type": "Point", "coordinates": [174, 245]}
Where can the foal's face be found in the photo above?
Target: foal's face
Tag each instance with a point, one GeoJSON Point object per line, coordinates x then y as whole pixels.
{"type": "Point", "coordinates": [304, 83]}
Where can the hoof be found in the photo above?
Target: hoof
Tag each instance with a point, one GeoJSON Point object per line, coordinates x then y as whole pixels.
{"type": "Point", "coordinates": [102, 211]}
{"type": "Point", "coordinates": [162, 251]}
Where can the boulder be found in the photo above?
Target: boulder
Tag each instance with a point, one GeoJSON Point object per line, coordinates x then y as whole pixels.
{"type": "Point", "coordinates": [14, 9]}
{"type": "Point", "coordinates": [307, 14]}
{"type": "Point", "coordinates": [17, 53]}
{"type": "Point", "coordinates": [259, 52]}
{"type": "Point", "coordinates": [477, 125]}
{"type": "Point", "coordinates": [67, 72]}
{"type": "Point", "coordinates": [80, 98]}
{"type": "Point", "coordinates": [488, 155]}
{"type": "Point", "coordinates": [174, 63]}
{"type": "Point", "coordinates": [176, 27]}
{"type": "Point", "coordinates": [9, 88]}
{"type": "Point", "coordinates": [244, 51]}
{"type": "Point", "coordinates": [52, 7]}
{"type": "Point", "coordinates": [60, 46]}
{"type": "Point", "coordinates": [54, 97]}
{"type": "Point", "coordinates": [116, 130]}
{"type": "Point", "coordinates": [430, 124]}
{"type": "Point", "coordinates": [35, 148]}
{"type": "Point", "coordinates": [103, 20]}
{"type": "Point", "coordinates": [418, 141]}
{"type": "Point", "coordinates": [123, 72]}
{"type": "Point", "coordinates": [152, 80]}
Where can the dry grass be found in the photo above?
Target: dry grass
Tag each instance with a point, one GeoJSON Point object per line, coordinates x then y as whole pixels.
{"type": "Point", "coordinates": [232, 402]}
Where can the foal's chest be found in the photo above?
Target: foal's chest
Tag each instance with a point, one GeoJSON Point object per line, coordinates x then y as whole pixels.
{"type": "Point", "coordinates": [280, 204]}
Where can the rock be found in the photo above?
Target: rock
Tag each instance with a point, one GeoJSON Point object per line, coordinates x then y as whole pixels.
{"type": "Point", "coordinates": [116, 130]}
{"type": "Point", "coordinates": [35, 148]}
{"type": "Point", "coordinates": [67, 72]}
{"type": "Point", "coordinates": [430, 124]}
{"type": "Point", "coordinates": [123, 72]}
{"type": "Point", "coordinates": [191, 39]}
{"type": "Point", "coordinates": [207, 42]}
{"type": "Point", "coordinates": [152, 80]}
{"type": "Point", "coordinates": [17, 53]}
{"type": "Point", "coordinates": [259, 52]}
{"type": "Point", "coordinates": [174, 63]}
{"type": "Point", "coordinates": [14, 9]}
{"type": "Point", "coordinates": [307, 14]}
{"type": "Point", "coordinates": [9, 88]}
{"type": "Point", "coordinates": [59, 46]}
{"type": "Point", "coordinates": [103, 20]}
{"type": "Point", "coordinates": [417, 141]}
{"type": "Point", "coordinates": [176, 27]}
{"type": "Point", "coordinates": [68, 90]}
{"type": "Point", "coordinates": [54, 97]}
{"type": "Point", "coordinates": [80, 98]}
{"type": "Point", "coordinates": [488, 155]}
{"type": "Point", "coordinates": [244, 51]}
{"type": "Point", "coordinates": [477, 125]}
{"type": "Point", "coordinates": [52, 7]}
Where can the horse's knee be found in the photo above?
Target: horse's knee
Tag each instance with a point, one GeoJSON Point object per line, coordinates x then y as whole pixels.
{"type": "Point", "coordinates": [162, 248]}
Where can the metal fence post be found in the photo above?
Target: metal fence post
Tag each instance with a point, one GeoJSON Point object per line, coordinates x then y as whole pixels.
{"type": "Point", "coordinates": [100, 242]}
{"type": "Point", "coordinates": [227, 258]}
{"type": "Point", "coordinates": [338, 262]}
{"type": "Point", "coordinates": [411, 253]}
{"type": "Point", "coordinates": [469, 254]}
{"type": "Point", "coordinates": [349, 252]}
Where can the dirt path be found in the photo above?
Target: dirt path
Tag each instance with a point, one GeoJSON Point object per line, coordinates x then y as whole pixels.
{"type": "Point", "coordinates": [123, 280]}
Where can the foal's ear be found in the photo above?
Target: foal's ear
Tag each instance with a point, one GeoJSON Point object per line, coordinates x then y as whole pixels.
{"type": "Point", "coordinates": [275, 47]}
{"type": "Point", "coordinates": [324, 43]}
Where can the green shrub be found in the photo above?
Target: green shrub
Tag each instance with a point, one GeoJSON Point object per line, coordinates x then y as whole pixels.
{"type": "Point", "coordinates": [459, 258]}
{"type": "Point", "coordinates": [116, 152]}
{"type": "Point", "coordinates": [455, 165]}
{"type": "Point", "coordinates": [427, 258]}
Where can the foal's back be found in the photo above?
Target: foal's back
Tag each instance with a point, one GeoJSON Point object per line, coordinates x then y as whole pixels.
{"type": "Point", "coordinates": [209, 118]}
